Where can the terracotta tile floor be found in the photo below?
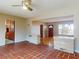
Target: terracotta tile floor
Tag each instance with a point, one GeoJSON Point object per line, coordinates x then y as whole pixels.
{"type": "Point", "coordinates": [26, 50]}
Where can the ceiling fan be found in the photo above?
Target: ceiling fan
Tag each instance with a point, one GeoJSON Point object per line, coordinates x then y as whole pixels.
{"type": "Point", "coordinates": [26, 4]}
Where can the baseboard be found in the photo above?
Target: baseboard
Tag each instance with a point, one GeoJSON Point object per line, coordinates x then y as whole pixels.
{"type": "Point", "coordinates": [19, 41]}
{"type": "Point", "coordinates": [9, 41]}
{"type": "Point", "coordinates": [76, 51]}
{"type": "Point", "coordinates": [2, 45]}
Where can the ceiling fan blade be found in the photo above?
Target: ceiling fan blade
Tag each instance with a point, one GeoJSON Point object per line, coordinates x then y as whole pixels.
{"type": "Point", "coordinates": [30, 8]}
{"type": "Point", "coordinates": [16, 5]}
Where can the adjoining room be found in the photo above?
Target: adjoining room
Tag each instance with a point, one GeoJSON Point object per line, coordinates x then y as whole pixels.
{"type": "Point", "coordinates": [10, 31]}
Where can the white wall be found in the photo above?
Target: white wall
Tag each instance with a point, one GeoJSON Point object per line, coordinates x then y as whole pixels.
{"type": "Point", "coordinates": [36, 27]}
{"type": "Point", "coordinates": [2, 30]}
{"type": "Point", "coordinates": [35, 30]}
{"type": "Point", "coordinates": [76, 22]}
{"type": "Point", "coordinates": [20, 28]}
{"type": "Point", "coordinates": [28, 26]}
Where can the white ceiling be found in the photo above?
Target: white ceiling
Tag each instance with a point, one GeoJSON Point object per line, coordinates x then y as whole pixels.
{"type": "Point", "coordinates": [40, 7]}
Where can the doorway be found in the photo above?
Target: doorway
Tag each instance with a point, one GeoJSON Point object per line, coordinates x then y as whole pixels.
{"type": "Point", "coordinates": [41, 34]}
{"type": "Point", "coordinates": [50, 31]}
{"type": "Point", "coordinates": [10, 31]}
{"type": "Point", "coordinates": [46, 34]}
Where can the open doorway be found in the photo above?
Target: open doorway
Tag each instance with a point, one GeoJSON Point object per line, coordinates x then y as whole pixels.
{"type": "Point", "coordinates": [46, 34]}
{"type": "Point", "coordinates": [10, 31]}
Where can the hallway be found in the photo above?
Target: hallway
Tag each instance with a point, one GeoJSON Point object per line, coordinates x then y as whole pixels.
{"type": "Point", "coordinates": [49, 41]}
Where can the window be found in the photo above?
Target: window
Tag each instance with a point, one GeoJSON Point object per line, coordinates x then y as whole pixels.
{"type": "Point", "coordinates": [66, 29]}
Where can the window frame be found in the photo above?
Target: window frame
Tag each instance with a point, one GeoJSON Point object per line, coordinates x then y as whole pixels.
{"type": "Point", "coordinates": [62, 34]}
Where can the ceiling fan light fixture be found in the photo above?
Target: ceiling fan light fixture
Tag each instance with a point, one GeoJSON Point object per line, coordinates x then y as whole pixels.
{"type": "Point", "coordinates": [26, 3]}
{"type": "Point", "coordinates": [24, 7]}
